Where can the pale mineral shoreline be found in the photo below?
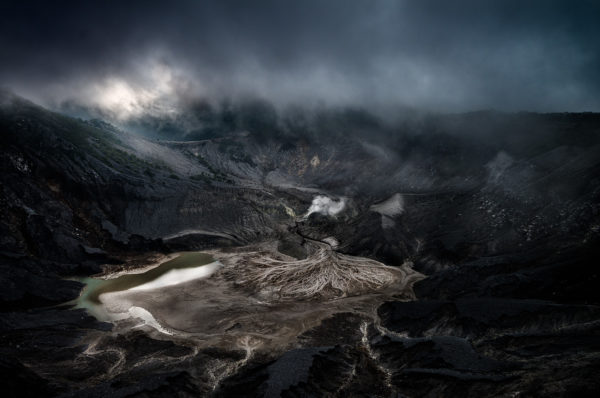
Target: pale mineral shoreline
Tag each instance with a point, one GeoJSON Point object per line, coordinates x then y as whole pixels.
{"type": "Point", "coordinates": [179, 276]}
{"type": "Point", "coordinates": [115, 307]}
{"type": "Point", "coordinates": [163, 258]}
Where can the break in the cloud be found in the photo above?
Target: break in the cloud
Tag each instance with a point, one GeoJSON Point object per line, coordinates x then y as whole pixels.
{"type": "Point", "coordinates": [127, 59]}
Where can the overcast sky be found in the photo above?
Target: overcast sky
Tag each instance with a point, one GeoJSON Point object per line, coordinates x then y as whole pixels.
{"type": "Point", "coordinates": [131, 57]}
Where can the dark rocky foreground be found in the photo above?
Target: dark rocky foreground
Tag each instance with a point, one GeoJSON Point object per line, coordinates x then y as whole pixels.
{"type": "Point", "coordinates": [501, 212]}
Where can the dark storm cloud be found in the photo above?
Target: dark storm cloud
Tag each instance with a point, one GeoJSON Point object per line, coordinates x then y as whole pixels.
{"type": "Point", "coordinates": [448, 55]}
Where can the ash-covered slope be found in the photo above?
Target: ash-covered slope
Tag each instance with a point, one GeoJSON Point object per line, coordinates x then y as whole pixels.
{"type": "Point", "coordinates": [500, 211]}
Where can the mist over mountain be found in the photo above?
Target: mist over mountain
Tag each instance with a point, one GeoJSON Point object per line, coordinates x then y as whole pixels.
{"type": "Point", "coordinates": [149, 58]}
{"type": "Point", "coordinates": [299, 199]}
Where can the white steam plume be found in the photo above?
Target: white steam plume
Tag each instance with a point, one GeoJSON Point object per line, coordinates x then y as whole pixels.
{"type": "Point", "coordinates": [326, 206]}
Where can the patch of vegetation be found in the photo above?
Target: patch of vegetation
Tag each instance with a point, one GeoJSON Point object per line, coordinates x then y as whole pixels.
{"type": "Point", "coordinates": [209, 179]}
{"type": "Point", "coordinates": [203, 161]}
{"type": "Point", "coordinates": [34, 125]}
{"type": "Point", "coordinates": [108, 152]}
{"type": "Point", "coordinates": [201, 177]}
{"type": "Point", "coordinates": [236, 152]}
{"type": "Point", "coordinates": [216, 174]}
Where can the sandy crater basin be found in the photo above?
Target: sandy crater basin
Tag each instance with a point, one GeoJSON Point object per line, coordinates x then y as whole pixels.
{"type": "Point", "coordinates": [215, 298]}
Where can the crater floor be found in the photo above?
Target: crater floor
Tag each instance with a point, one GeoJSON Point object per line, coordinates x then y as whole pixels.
{"type": "Point", "coordinates": [239, 303]}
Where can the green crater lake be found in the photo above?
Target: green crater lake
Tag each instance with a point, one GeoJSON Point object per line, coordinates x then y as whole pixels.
{"type": "Point", "coordinates": [176, 270]}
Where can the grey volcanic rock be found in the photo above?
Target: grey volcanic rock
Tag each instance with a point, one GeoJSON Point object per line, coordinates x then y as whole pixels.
{"type": "Point", "coordinates": [500, 211]}
{"type": "Point", "coordinates": [482, 317]}
{"type": "Point", "coordinates": [569, 275]}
